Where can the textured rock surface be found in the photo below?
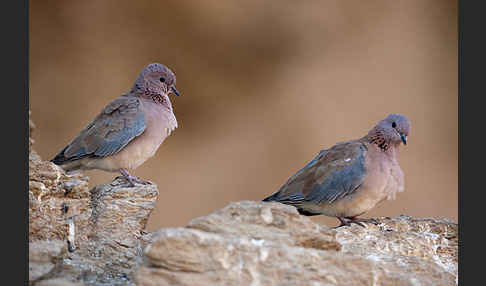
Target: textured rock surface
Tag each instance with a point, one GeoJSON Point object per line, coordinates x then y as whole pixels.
{"type": "Point", "coordinates": [31, 128]}
{"type": "Point", "coordinates": [255, 243]}
{"type": "Point", "coordinates": [79, 237]}
{"type": "Point", "coordinates": [82, 236]}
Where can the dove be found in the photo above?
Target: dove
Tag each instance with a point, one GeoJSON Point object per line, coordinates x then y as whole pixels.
{"type": "Point", "coordinates": [129, 130]}
{"type": "Point", "coordinates": [350, 178]}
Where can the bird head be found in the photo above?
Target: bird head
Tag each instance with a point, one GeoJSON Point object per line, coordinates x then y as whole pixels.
{"type": "Point", "coordinates": [155, 79]}
{"type": "Point", "coordinates": [390, 131]}
{"type": "Point", "coordinates": [395, 128]}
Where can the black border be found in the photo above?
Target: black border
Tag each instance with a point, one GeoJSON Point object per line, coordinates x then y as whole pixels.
{"type": "Point", "coordinates": [15, 128]}
{"type": "Point", "coordinates": [471, 77]}
{"type": "Point", "coordinates": [24, 204]}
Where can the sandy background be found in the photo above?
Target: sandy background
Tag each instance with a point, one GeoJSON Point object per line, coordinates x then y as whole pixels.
{"type": "Point", "coordinates": [265, 84]}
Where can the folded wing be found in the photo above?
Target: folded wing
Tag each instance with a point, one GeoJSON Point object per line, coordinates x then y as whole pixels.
{"type": "Point", "coordinates": [331, 175]}
{"type": "Point", "coordinates": [117, 124]}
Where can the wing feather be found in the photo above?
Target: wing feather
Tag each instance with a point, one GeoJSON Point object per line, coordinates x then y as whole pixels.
{"type": "Point", "coordinates": [331, 175]}
{"type": "Point", "coordinates": [116, 125]}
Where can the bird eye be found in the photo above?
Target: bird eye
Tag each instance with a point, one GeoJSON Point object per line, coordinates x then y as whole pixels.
{"type": "Point", "coordinates": [162, 79]}
{"type": "Point", "coordinates": [394, 125]}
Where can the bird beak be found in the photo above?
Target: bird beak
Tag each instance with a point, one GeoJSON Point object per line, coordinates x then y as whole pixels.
{"type": "Point", "coordinates": [404, 138]}
{"type": "Point", "coordinates": [175, 91]}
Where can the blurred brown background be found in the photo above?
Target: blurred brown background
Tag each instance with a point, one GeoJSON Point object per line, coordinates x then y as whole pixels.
{"type": "Point", "coordinates": [266, 85]}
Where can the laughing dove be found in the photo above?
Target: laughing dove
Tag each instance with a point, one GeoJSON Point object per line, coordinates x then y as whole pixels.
{"type": "Point", "coordinates": [129, 130]}
{"type": "Point", "coordinates": [351, 177]}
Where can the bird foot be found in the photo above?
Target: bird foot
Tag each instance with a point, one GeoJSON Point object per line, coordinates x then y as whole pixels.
{"type": "Point", "coordinates": [132, 179]}
{"type": "Point", "coordinates": [140, 181]}
{"type": "Point", "coordinates": [358, 221]}
{"type": "Point", "coordinates": [128, 179]}
{"type": "Point", "coordinates": [348, 223]}
{"type": "Point", "coordinates": [367, 220]}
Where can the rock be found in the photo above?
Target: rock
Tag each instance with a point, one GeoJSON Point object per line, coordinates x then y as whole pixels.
{"type": "Point", "coordinates": [43, 256]}
{"type": "Point", "coordinates": [51, 204]}
{"type": "Point", "coordinates": [31, 128]}
{"type": "Point", "coordinates": [256, 243]}
{"type": "Point", "coordinates": [87, 237]}
{"type": "Point", "coordinates": [79, 236]}
{"type": "Point", "coordinates": [59, 282]}
{"type": "Point", "coordinates": [101, 235]}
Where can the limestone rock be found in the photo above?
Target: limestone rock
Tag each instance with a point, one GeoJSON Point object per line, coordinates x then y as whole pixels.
{"type": "Point", "coordinates": [54, 198]}
{"type": "Point", "coordinates": [256, 243]}
{"type": "Point", "coordinates": [31, 128]}
{"type": "Point", "coordinates": [79, 236]}
{"type": "Point", "coordinates": [43, 256]}
{"type": "Point", "coordinates": [59, 282]}
{"type": "Point", "coordinates": [100, 235]}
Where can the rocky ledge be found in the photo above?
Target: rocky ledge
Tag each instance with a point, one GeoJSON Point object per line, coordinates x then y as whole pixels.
{"type": "Point", "coordinates": [79, 236]}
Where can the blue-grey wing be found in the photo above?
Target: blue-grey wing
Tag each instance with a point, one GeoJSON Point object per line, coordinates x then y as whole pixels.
{"type": "Point", "coordinates": [344, 180]}
{"type": "Point", "coordinates": [332, 174]}
{"type": "Point", "coordinates": [117, 124]}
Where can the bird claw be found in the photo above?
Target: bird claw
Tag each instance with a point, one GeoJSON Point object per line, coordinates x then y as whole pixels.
{"type": "Point", "coordinates": [129, 180]}
{"type": "Point", "coordinates": [348, 223]}
{"type": "Point", "coordinates": [358, 221]}
{"type": "Point", "coordinates": [367, 220]}
{"type": "Point", "coordinates": [132, 179]}
{"type": "Point", "coordinates": [343, 222]}
{"type": "Point", "coordinates": [142, 181]}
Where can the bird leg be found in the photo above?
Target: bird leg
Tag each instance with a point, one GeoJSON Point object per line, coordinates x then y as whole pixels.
{"type": "Point", "coordinates": [132, 179]}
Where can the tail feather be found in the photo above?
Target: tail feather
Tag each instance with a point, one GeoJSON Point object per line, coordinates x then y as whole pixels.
{"type": "Point", "coordinates": [272, 198]}
{"type": "Point", "coordinates": [306, 213]}
{"type": "Point", "coordinates": [295, 200]}
{"type": "Point", "coordinates": [60, 158]}
{"type": "Point", "coordinates": [67, 163]}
